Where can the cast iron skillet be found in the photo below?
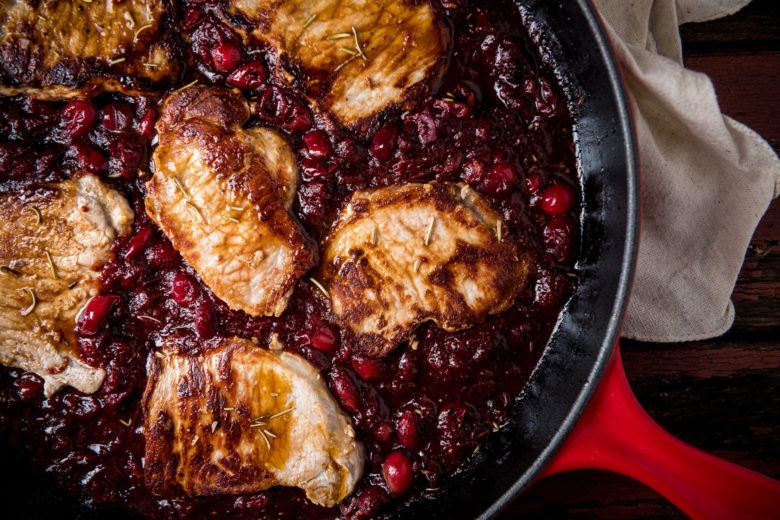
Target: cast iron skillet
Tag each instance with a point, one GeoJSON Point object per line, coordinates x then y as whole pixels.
{"type": "Point", "coordinates": [581, 345]}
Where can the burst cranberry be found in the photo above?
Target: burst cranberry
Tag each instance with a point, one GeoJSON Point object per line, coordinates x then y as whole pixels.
{"type": "Point", "coordinates": [81, 407]}
{"type": "Point", "coordinates": [324, 339]}
{"type": "Point", "coordinates": [551, 287]}
{"type": "Point", "coordinates": [90, 160]}
{"type": "Point", "coordinates": [383, 432]}
{"type": "Point", "coordinates": [29, 386]}
{"type": "Point", "coordinates": [116, 117]}
{"type": "Point", "coordinates": [312, 197]}
{"type": "Point", "coordinates": [383, 144]}
{"type": "Point", "coordinates": [407, 430]}
{"type": "Point", "coordinates": [501, 178]}
{"type": "Point", "coordinates": [317, 143]}
{"type": "Point", "coordinates": [249, 76]}
{"type": "Point", "coordinates": [473, 172]}
{"type": "Point", "coordinates": [345, 390]}
{"type": "Point", "coordinates": [204, 320]}
{"type": "Point", "coordinates": [226, 57]}
{"type": "Point", "coordinates": [192, 15]}
{"type": "Point", "coordinates": [95, 313]}
{"type": "Point", "coordinates": [558, 199]}
{"type": "Point", "coordinates": [313, 168]}
{"type": "Point", "coordinates": [426, 126]}
{"type": "Point", "coordinates": [559, 238]}
{"type": "Point", "coordinates": [78, 117]}
{"type": "Point", "coordinates": [183, 289]}
{"type": "Point", "coordinates": [368, 503]}
{"type": "Point", "coordinates": [369, 369]}
{"type": "Point", "coordinates": [397, 472]}
{"type": "Point", "coordinates": [298, 118]}
{"type": "Point", "coordinates": [161, 255]}
{"type": "Point", "coordinates": [138, 243]}
{"type": "Point", "coordinates": [547, 100]}
{"type": "Point", "coordinates": [484, 128]}
{"type": "Point", "coordinates": [146, 125]}
{"type": "Point", "coordinates": [533, 182]}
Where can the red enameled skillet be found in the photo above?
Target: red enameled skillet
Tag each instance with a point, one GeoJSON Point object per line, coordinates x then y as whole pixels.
{"type": "Point", "coordinates": [577, 410]}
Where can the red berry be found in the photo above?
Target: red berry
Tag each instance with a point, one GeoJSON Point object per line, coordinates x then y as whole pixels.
{"type": "Point", "coordinates": [192, 15]}
{"type": "Point", "coordinates": [324, 339]}
{"type": "Point", "coordinates": [408, 432]}
{"type": "Point", "coordinates": [90, 160]}
{"type": "Point", "coordinates": [369, 369]}
{"type": "Point", "coordinates": [473, 172]}
{"type": "Point", "coordinates": [94, 313]}
{"type": "Point", "coordinates": [226, 57]}
{"type": "Point", "coordinates": [483, 129]}
{"type": "Point", "coordinates": [249, 76]}
{"type": "Point", "coordinates": [138, 243]}
{"type": "Point", "coordinates": [78, 116]}
{"type": "Point", "coordinates": [550, 288]}
{"type": "Point", "coordinates": [204, 320]}
{"type": "Point", "coordinates": [533, 182]}
{"type": "Point", "coordinates": [146, 125]}
{"type": "Point", "coordinates": [558, 199]}
{"type": "Point", "coordinates": [116, 117]}
{"type": "Point", "coordinates": [501, 178]}
{"type": "Point", "coordinates": [345, 390]}
{"type": "Point", "coordinates": [397, 472]}
{"type": "Point", "coordinates": [29, 386]}
{"type": "Point", "coordinates": [383, 144]}
{"type": "Point", "coordinates": [318, 143]}
{"type": "Point", "coordinates": [559, 238]}
{"type": "Point", "coordinates": [383, 432]}
{"type": "Point", "coordinates": [298, 118]}
{"type": "Point", "coordinates": [183, 290]}
{"type": "Point", "coordinates": [127, 152]}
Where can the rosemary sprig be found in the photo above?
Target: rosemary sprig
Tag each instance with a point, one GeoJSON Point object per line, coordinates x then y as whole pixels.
{"type": "Point", "coordinates": [37, 215]}
{"type": "Point", "coordinates": [310, 20]}
{"type": "Point", "coordinates": [320, 287]}
{"type": "Point", "coordinates": [140, 30]}
{"type": "Point", "coordinates": [188, 85]}
{"type": "Point", "coordinates": [29, 309]}
{"type": "Point", "coordinates": [116, 61]}
{"type": "Point", "coordinates": [357, 44]}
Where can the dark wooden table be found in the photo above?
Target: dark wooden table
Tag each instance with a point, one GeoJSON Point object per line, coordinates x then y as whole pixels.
{"type": "Point", "coordinates": [720, 395]}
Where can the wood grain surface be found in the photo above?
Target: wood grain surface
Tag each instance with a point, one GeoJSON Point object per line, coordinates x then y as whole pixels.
{"type": "Point", "coordinates": [721, 395]}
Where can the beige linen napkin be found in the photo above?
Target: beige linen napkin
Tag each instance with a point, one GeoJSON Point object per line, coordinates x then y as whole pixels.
{"type": "Point", "coordinates": [706, 179]}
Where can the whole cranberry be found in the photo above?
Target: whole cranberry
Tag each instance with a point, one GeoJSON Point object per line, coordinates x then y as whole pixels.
{"type": "Point", "coordinates": [204, 320]}
{"type": "Point", "coordinates": [226, 56]}
{"type": "Point", "coordinates": [345, 390]}
{"type": "Point", "coordinates": [407, 430]}
{"type": "Point", "coordinates": [368, 368]}
{"type": "Point", "coordinates": [298, 118]}
{"type": "Point", "coordinates": [550, 289]}
{"type": "Point", "coordinates": [249, 76]}
{"type": "Point", "coordinates": [500, 179]}
{"type": "Point", "coordinates": [368, 503]}
{"type": "Point", "coordinates": [383, 144]}
{"type": "Point", "coordinates": [90, 160]}
{"type": "Point", "coordinates": [324, 339]}
{"type": "Point", "coordinates": [183, 289]}
{"type": "Point", "coordinates": [397, 472]}
{"type": "Point", "coordinates": [317, 143]}
{"type": "Point", "coordinates": [533, 182]}
{"type": "Point", "coordinates": [383, 432]}
{"type": "Point", "coordinates": [95, 313]}
{"type": "Point", "coordinates": [559, 238]}
{"type": "Point", "coordinates": [77, 117]}
{"type": "Point", "coordinates": [116, 117]}
{"type": "Point", "coordinates": [138, 243]}
{"type": "Point", "coordinates": [29, 386]}
{"type": "Point", "coordinates": [192, 15]}
{"type": "Point", "coordinates": [558, 199]}
{"type": "Point", "coordinates": [127, 152]}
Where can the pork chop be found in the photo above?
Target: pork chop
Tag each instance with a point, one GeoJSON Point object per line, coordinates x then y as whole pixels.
{"type": "Point", "coordinates": [402, 255]}
{"type": "Point", "coordinates": [351, 58]}
{"type": "Point", "coordinates": [241, 419]}
{"type": "Point", "coordinates": [62, 48]}
{"type": "Point", "coordinates": [221, 194]}
{"type": "Point", "coordinates": [53, 239]}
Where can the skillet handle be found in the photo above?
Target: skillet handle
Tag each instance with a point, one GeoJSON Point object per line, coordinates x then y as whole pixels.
{"type": "Point", "coordinates": [616, 434]}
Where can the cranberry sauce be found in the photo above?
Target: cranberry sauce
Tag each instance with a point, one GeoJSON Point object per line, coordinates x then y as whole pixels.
{"type": "Point", "coordinates": [497, 121]}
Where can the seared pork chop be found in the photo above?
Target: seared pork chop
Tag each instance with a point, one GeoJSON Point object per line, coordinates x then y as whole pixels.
{"type": "Point", "coordinates": [221, 194]}
{"type": "Point", "coordinates": [241, 419]}
{"type": "Point", "coordinates": [352, 58]}
{"type": "Point", "coordinates": [53, 239]}
{"type": "Point", "coordinates": [65, 48]}
{"type": "Point", "coordinates": [402, 255]}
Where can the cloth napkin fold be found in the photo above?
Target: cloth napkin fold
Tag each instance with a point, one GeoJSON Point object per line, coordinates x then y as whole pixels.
{"type": "Point", "coordinates": [706, 179]}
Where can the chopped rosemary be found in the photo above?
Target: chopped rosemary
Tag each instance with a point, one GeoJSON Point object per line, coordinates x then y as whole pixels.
{"type": "Point", "coordinates": [265, 438]}
{"type": "Point", "coordinates": [214, 426]}
{"type": "Point", "coordinates": [357, 44]}
{"type": "Point", "coordinates": [37, 215]}
{"type": "Point", "coordinates": [51, 264]}
{"type": "Point", "coordinates": [571, 275]}
{"type": "Point", "coordinates": [310, 20]}
{"type": "Point", "coordinates": [228, 408]}
{"type": "Point", "coordinates": [127, 422]}
{"type": "Point", "coordinates": [151, 65]}
{"type": "Point", "coordinates": [269, 433]}
{"type": "Point", "coordinates": [495, 425]}
{"type": "Point", "coordinates": [188, 85]}
{"type": "Point", "coordinates": [417, 264]}
{"type": "Point", "coordinates": [140, 29]}
{"type": "Point", "coordinates": [194, 208]}
{"type": "Point", "coordinates": [339, 36]}
{"type": "Point", "coordinates": [42, 18]}
{"type": "Point", "coordinates": [115, 175]}
{"type": "Point", "coordinates": [418, 412]}
{"type": "Point", "coordinates": [344, 63]}
{"type": "Point", "coordinates": [29, 309]}
{"type": "Point", "coordinates": [531, 126]}
{"type": "Point", "coordinates": [348, 50]}
{"type": "Point", "coordinates": [160, 355]}
{"type": "Point", "coordinates": [9, 271]}
{"type": "Point", "coordinates": [71, 285]}
{"type": "Point", "coordinates": [233, 219]}
{"type": "Point", "coordinates": [536, 159]}
{"type": "Point", "coordinates": [498, 230]}
{"type": "Point", "coordinates": [374, 236]}
{"type": "Point", "coordinates": [181, 188]}
{"type": "Point", "coordinates": [236, 208]}
{"type": "Point", "coordinates": [283, 412]}
{"type": "Point", "coordinates": [530, 346]}
{"type": "Point", "coordinates": [118, 60]}
{"type": "Point", "coordinates": [146, 317]}
{"type": "Point", "coordinates": [320, 287]}
{"type": "Point", "coordinates": [274, 394]}
{"type": "Point", "coordinates": [429, 232]}
{"type": "Point", "coordinates": [129, 17]}
{"type": "Point", "coordinates": [195, 440]}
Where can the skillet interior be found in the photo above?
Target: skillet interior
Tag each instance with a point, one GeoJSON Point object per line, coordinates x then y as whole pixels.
{"type": "Point", "coordinates": [575, 357]}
